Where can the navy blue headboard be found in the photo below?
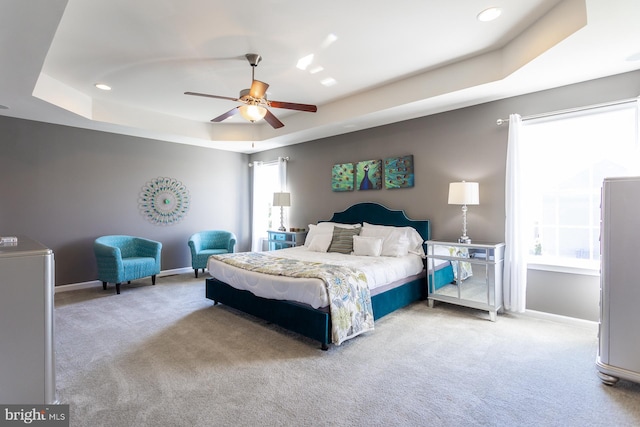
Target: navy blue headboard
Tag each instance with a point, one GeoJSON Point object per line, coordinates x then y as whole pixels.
{"type": "Point", "coordinates": [375, 213]}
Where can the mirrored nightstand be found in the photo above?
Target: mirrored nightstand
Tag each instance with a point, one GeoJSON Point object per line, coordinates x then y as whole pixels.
{"type": "Point", "coordinates": [477, 274]}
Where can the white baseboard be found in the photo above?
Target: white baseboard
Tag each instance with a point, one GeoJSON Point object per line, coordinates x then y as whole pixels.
{"type": "Point", "coordinates": [558, 318]}
{"type": "Point", "coordinates": [92, 283]}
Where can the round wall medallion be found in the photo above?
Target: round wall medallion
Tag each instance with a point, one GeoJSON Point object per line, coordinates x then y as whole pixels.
{"type": "Point", "coordinates": [164, 201]}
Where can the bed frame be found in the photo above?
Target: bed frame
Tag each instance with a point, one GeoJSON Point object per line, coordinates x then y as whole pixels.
{"type": "Point", "coordinates": [316, 323]}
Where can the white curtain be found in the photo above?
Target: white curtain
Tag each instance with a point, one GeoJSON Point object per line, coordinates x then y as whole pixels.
{"type": "Point", "coordinates": [515, 257]}
{"type": "Point", "coordinates": [268, 178]}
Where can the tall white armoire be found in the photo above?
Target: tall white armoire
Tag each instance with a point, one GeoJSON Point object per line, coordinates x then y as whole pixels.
{"type": "Point", "coordinates": [27, 363]}
{"type": "Point", "coordinates": [619, 329]}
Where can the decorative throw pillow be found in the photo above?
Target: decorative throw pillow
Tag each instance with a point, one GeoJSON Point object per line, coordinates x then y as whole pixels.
{"type": "Point", "coordinates": [397, 241]}
{"type": "Point", "coordinates": [367, 246]}
{"type": "Point", "coordinates": [314, 231]}
{"type": "Point", "coordinates": [320, 242]}
{"type": "Point", "coordinates": [342, 241]}
{"type": "Point", "coordinates": [325, 228]}
{"type": "Point", "coordinates": [338, 224]}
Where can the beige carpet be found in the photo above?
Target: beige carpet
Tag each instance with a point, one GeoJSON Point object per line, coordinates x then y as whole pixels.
{"type": "Point", "coordinates": [165, 356]}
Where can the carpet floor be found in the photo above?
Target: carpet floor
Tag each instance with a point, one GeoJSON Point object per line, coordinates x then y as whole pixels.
{"type": "Point", "coordinates": [163, 355]}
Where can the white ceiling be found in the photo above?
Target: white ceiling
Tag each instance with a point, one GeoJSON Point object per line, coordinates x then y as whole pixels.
{"type": "Point", "coordinates": [392, 60]}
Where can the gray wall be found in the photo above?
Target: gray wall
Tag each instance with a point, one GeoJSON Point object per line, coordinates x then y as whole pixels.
{"type": "Point", "coordinates": [66, 186]}
{"type": "Point", "coordinates": [464, 144]}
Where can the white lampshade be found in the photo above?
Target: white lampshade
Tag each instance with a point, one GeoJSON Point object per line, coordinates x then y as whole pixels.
{"type": "Point", "coordinates": [464, 193]}
{"type": "Point", "coordinates": [281, 199]}
{"type": "Point", "coordinates": [253, 113]}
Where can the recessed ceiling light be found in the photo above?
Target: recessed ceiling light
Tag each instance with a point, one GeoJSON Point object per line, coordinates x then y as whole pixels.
{"type": "Point", "coordinates": [102, 86]}
{"type": "Point", "coordinates": [329, 81]}
{"type": "Point", "coordinates": [303, 63]}
{"type": "Point", "coordinates": [329, 40]}
{"type": "Point", "coordinates": [489, 14]}
{"type": "Point", "coordinates": [315, 70]}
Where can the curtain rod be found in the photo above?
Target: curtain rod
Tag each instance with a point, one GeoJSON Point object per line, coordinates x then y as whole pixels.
{"type": "Point", "coordinates": [286, 159]}
{"type": "Point", "coordinates": [500, 122]}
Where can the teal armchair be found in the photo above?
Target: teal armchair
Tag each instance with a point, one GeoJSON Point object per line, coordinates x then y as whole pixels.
{"type": "Point", "coordinates": [126, 258]}
{"type": "Point", "coordinates": [207, 243]}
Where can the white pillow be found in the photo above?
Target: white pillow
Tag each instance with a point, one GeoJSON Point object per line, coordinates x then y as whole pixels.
{"type": "Point", "coordinates": [397, 241]}
{"type": "Point", "coordinates": [314, 231]}
{"type": "Point", "coordinates": [338, 224]}
{"type": "Point", "coordinates": [320, 242]}
{"type": "Point", "coordinates": [325, 228]}
{"type": "Point", "coordinates": [367, 246]}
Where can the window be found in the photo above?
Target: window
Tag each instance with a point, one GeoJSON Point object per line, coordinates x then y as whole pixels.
{"type": "Point", "coordinates": [565, 159]}
{"type": "Point", "coordinates": [268, 178]}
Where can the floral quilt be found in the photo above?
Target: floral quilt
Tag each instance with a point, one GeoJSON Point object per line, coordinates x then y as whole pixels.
{"type": "Point", "coordinates": [349, 297]}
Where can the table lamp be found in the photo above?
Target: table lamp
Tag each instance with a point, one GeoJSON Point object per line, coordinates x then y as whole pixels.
{"type": "Point", "coordinates": [282, 200]}
{"type": "Point", "coordinates": [464, 193]}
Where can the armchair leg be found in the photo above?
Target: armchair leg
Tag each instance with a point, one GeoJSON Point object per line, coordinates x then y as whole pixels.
{"type": "Point", "coordinates": [104, 286]}
{"type": "Point", "coordinates": [196, 270]}
{"type": "Point", "coordinates": [153, 279]}
{"type": "Point", "coordinates": [118, 288]}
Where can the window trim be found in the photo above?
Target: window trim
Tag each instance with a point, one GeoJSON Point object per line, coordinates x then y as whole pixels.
{"type": "Point", "coordinates": [560, 267]}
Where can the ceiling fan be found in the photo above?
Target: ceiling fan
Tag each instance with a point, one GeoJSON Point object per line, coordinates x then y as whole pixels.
{"type": "Point", "coordinates": [255, 100]}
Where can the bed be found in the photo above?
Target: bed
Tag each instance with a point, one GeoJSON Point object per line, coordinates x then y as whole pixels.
{"type": "Point", "coordinates": [277, 298]}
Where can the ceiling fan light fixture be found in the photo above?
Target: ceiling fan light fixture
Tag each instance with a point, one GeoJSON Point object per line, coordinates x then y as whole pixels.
{"type": "Point", "coordinates": [253, 113]}
{"type": "Point", "coordinates": [255, 101]}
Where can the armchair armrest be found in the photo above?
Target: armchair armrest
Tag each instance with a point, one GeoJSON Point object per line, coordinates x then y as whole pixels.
{"type": "Point", "coordinates": [195, 243]}
{"type": "Point", "coordinates": [109, 261]}
{"type": "Point", "coordinates": [149, 248]}
{"type": "Point", "coordinates": [107, 252]}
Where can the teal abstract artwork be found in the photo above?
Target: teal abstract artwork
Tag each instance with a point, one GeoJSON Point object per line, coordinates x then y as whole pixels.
{"type": "Point", "coordinates": [398, 172]}
{"type": "Point", "coordinates": [342, 177]}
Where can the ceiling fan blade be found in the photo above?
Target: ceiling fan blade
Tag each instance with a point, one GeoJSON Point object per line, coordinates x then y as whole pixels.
{"type": "Point", "coordinates": [226, 115]}
{"type": "Point", "coordinates": [294, 106]}
{"type": "Point", "coordinates": [258, 89]}
{"type": "Point", "coordinates": [273, 120]}
{"type": "Point", "coordinates": [211, 96]}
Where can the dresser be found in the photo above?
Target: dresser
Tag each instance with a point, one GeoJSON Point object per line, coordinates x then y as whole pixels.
{"type": "Point", "coordinates": [27, 365]}
{"type": "Point", "coordinates": [619, 332]}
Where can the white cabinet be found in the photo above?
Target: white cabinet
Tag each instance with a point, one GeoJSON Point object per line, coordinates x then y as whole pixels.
{"type": "Point", "coordinates": [27, 365]}
{"type": "Point", "coordinates": [619, 329]}
{"type": "Point", "coordinates": [477, 274]}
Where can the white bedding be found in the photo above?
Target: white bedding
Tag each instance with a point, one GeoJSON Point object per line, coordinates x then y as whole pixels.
{"type": "Point", "coordinates": [380, 271]}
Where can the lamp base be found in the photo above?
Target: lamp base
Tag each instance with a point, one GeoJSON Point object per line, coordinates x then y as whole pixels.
{"type": "Point", "coordinates": [464, 239]}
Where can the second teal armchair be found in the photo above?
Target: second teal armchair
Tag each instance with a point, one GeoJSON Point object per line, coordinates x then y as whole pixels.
{"type": "Point", "coordinates": [207, 243]}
